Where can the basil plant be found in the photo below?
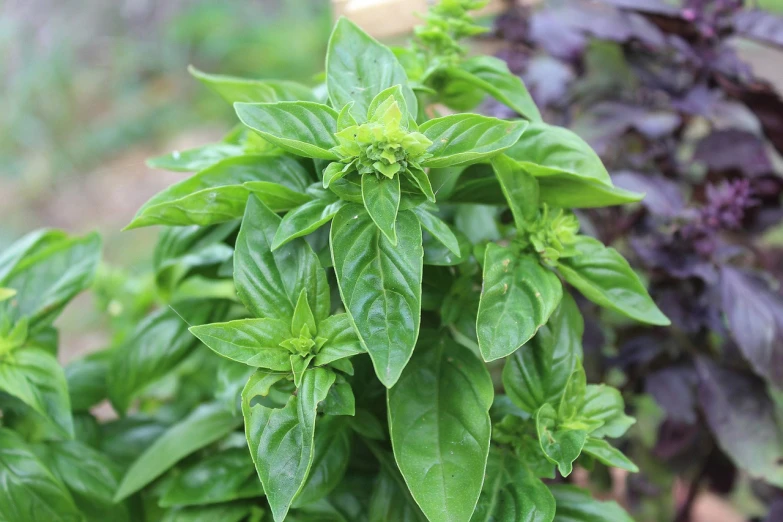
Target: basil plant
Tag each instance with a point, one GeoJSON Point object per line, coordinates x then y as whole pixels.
{"type": "Point", "coordinates": [365, 308]}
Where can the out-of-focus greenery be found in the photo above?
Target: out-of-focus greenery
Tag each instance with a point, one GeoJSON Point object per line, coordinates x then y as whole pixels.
{"type": "Point", "coordinates": [84, 80]}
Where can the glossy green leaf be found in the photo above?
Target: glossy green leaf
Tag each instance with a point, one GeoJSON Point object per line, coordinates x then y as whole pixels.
{"type": "Point", "coordinates": [560, 446]}
{"type": "Point", "coordinates": [269, 283]}
{"type": "Point", "coordinates": [340, 400]}
{"type": "Point", "coordinates": [358, 68]}
{"type": "Point", "coordinates": [205, 425]}
{"type": "Point", "coordinates": [462, 139]}
{"type": "Point", "coordinates": [608, 454]}
{"type": "Point", "coordinates": [606, 278]}
{"type": "Point", "coordinates": [511, 493]}
{"type": "Point", "coordinates": [380, 285]}
{"type": "Point", "coordinates": [519, 188]}
{"type": "Point", "coordinates": [422, 180]}
{"type": "Point", "coordinates": [574, 397]}
{"type": "Point", "coordinates": [255, 342]}
{"type": "Point", "coordinates": [229, 512]}
{"type": "Point", "coordinates": [517, 298]}
{"type": "Point", "coordinates": [28, 245]}
{"type": "Point", "coordinates": [234, 89]}
{"type": "Point", "coordinates": [86, 380]}
{"type": "Point", "coordinates": [281, 439]}
{"type": "Point", "coordinates": [301, 128]}
{"type": "Point", "coordinates": [537, 373]}
{"type": "Point", "coordinates": [438, 254]}
{"type": "Point", "coordinates": [221, 477]}
{"type": "Point", "coordinates": [36, 378]}
{"type": "Point", "coordinates": [89, 475]}
{"type": "Point", "coordinates": [199, 158]}
{"type": "Point", "coordinates": [382, 200]}
{"type": "Point", "coordinates": [332, 451]}
{"type": "Point", "coordinates": [570, 174]}
{"type": "Point", "coordinates": [305, 219]}
{"type": "Point", "coordinates": [438, 229]}
{"type": "Point", "coordinates": [29, 491]}
{"type": "Point", "coordinates": [577, 505]}
{"type": "Point", "coordinates": [53, 270]}
{"type": "Point", "coordinates": [491, 75]}
{"type": "Point", "coordinates": [218, 193]}
{"type": "Point", "coordinates": [602, 412]}
{"type": "Point", "coordinates": [390, 500]}
{"type": "Point", "coordinates": [342, 340]}
{"type": "Point", "coordinates": [440, 427]}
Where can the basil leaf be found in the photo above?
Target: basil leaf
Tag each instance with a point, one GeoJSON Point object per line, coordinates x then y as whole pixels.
{"type": "Point", "coordinates": [340, 400]}
{"type": "Point", "coordinates": [519, 188]}
{"type": "Point", "coordinates": [609, 455]}
{"type": "Point", "coordinates": [440, 427]}
{"type": "Point", "coordinates": [390, 501]}
{"type": "Point", "coordinates": [230, 512]}
{"type": "Point", "coordinates": [221, 477]}
{"type": "Point", "coordinates": [511, 492]}
{"type": "Point", "coordinates": [205, 425]}
{"type": "Point", "coordinates": [380, 285]}
{"type": "Point", "coordinates": [302, 128]}
{"type": "Point", "coordinates": [605, 277]}
{"type": "Point", "coordinates": [281, 439]}
{"type": "Point", "coordinates": [577, 505]}
{"type": "Point", "coordinates": [305, 219]}
{"type": "Point", "coordinates": [255, 342]}
{"type": "Point", "coordinates": [196, 159]}
{"type": "Point", "coordinates": [28, 491]}
{"type": "Point", "coordinates": [560, 446]}
{"type": "Point", "coordinates": [331, 454]}
{"type": "Point", "coordinates": [269, 283]}
{"type": "Point", "coordinates": [86, 380]}
{"type": "Point", "coordinates": [28, 246]}
{"type": "Point", "coordinates": [341, 337]}
{"type": "Point", "coordinates": [53, 270]}
{"type": "Point", "coordinates": [538, 374]}
{"type": "Point", "coordinates": [602, 412]}
{"type": "Point", "coordinates": [574, 397]}
{"type": "Point", "coordinates": [438, 229]}
{"type": "Point", "coordinates": [517, 298]}
{"type": "Point", "coordinates": [436, 253]}
{"type": "Point", "coordinates": [89, 475]}
{"type": "Point", "coordinates": [358, 68]}
{"type": "Point", "coordinates": [570, 174]}
{"type": "Point", "coordinates": [382, 201]}
{"type": "Point", "coordinates": [36, 378]}
{"type": "Point", "coordinates": [234, 89]}
{"type": "Point", "coordinates": [422, 180]}
{"type": "Point", "coordinates": [462, 139]}
{"type": "Point", "coordinates": [491, 75]}
{"type": "Point", "coordinates": [219, 193]}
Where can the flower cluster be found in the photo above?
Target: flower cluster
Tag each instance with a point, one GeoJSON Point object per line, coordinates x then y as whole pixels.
{"type": "Point", "coordinates": [553, 234]}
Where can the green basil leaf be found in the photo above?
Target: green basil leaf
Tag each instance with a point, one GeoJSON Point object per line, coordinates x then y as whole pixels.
{"type": "Point", "coordinates": [537, 374]}
{"type": "Point", "coordinates": [281, 439]}
{"type": "Point", "coordinates": [199, 158]}
{"type": "Point", "coordinates": [570, 174]}
{"type": "Point", "coordinates": [358, 68]}
{"type": "Point", "coordinates": [438, 229]}
{"type": "Point", "coordinates": [517, 298]}
{"type": "Point", "coordinates": [560, 446]}
{"type": "Point", "coordinates": [234, 89]}
{"type": "Point", "coordinates": [492, 76]}
{"type": "Point", "coordinates": [340, 400]}
{"type": "Point", "coordinates": [609, 455]}
{"type": "Point", "coordinates": [269, 283]}
{"type": "Point", "coordinates": [341, 340]}
{"type": "Point", "coordinates": [28, 246]}
{"type": "Point", "coordinates": [305, 219]}
{"type": "Point", "coordinates": [229, 512]}
{"type": "Point", "coordinates": [28, 491]}
{"type": "Point", "coordinates": [605, 277]}
{"type": "Point", "coordinates": [390, 500]}
{"type": "Point", "coordinates": [573, 396]}
{"type": "Point", "coordinates": [331, 454]}
{"type": "Point", "coordinates": [219, 193]}
{"type": "Point", "coordinates": [159, 343]}
{"type": "Point", "coordinates": [221, 477]}
{"type": "Point", "coordinates": [89, 475]}
{"type": "Point", "coordinates": [461, 139]}
{"type": "Point", "coordinates": [422, 180]}
{"type": "Point", "coordinates": [512, 493]}
{"type": "Point", "coordinates": [53, 270]}
{"type": "Point", "coordinates": [36, 378]}
{"type": "Point", "coordinates": [519, 188]}
{"type": "Point", "coordinates": [380, 285]}
{"type": "Point", "coordinates": [302, 128]}
{"type": "Point", "coordinates": [205, 425]}
{"type": "Point", "coordinates": [577, 505]}
{"type": "Point", "coordinates": [382, 201]}
{"type": "Point", "coordinates": [603, 412]}
{"type": "Point", "coordinates": [255, 342]}
{"type": "Point", "coordinates": [440, 427]}
{"type": "Point", "coordinates": [86, 380]}
{"type": "Point", "coordinates": [436, 253]}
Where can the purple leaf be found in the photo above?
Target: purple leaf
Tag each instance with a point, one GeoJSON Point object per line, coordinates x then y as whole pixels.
{"type": "Point", "coordinates": [674, 389]}
{"type": "Point", "coordinates": [743, 419]}
{"type": "Point", "coordinates": [755, 318]}
{"type": "Point", "coordinates": [662, 196]}
{"type": "Point", "coordinates": [733, 150]}
{"type": "Point", "coordinates": [548, 80]}
{"type": "Point", "coordinates": [760, 25]}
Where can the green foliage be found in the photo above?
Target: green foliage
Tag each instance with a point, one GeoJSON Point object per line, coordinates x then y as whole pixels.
{"type": "Point", "coordinates": [340, 274]}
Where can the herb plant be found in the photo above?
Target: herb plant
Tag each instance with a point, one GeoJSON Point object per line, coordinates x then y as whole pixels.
{"type": "Point", "coordinates": [374, 299]}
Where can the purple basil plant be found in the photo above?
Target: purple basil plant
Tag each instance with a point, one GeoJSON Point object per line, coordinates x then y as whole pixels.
{"type": "Point", "coordinates": [662, 93]}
